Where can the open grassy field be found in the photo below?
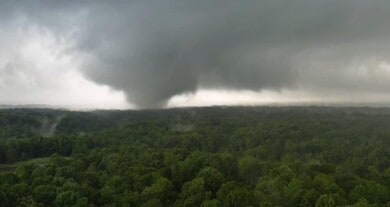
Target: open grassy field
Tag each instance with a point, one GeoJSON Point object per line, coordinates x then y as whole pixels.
{"type": "Point", "coordinates": [9, 168]}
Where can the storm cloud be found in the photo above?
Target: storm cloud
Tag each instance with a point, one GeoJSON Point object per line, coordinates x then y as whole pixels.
{"type": "Point", "coordinates": [154, 50]}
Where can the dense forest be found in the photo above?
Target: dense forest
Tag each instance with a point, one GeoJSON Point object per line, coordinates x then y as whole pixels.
{"type": "Point", "coordinates": [191, 157]}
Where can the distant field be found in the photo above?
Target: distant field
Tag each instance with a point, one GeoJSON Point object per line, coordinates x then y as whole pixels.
{"type": "Point", "coordinates": [9, 168]}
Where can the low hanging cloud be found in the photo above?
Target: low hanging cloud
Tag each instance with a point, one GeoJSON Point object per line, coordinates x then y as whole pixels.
{"type": "Point", "coordinates": [36, 69]}
{"type": "Point", "coordinates": [154, 50]}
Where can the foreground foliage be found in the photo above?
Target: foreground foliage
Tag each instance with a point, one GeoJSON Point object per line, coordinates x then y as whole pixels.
{"type": "Point", "coordinates": [207, 157]}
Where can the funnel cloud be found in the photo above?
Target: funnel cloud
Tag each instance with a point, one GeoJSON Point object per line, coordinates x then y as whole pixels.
{"type": "Point", "coordinates": [155, 50]}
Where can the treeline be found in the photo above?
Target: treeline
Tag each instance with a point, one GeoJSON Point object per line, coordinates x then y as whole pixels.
{"type": "Point", "coordinates": [207, 157]}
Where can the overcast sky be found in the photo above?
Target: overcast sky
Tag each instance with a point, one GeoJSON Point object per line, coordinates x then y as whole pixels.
{"type": "Point", "coordinates": [167, 53]}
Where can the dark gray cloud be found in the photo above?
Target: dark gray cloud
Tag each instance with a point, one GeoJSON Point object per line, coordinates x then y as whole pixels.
{"type": "Point", "coordinates": [156, 49]}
